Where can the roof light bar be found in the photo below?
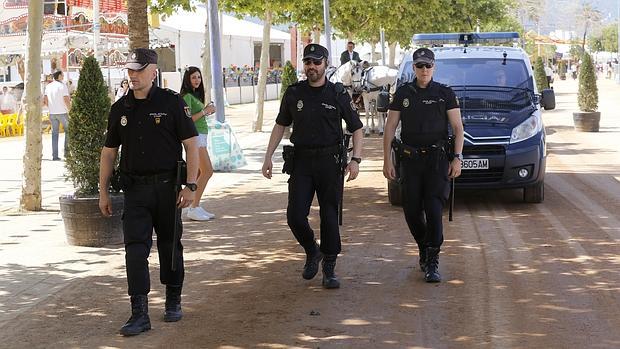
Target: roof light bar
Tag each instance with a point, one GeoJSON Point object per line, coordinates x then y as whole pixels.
{"type": "Point", "coordinates": [466, 39]}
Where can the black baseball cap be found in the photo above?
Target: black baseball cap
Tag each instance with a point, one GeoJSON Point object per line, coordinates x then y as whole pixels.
{"type": "Point", "coordinates": [315, 51]}
{"type": "Point", "coordinates": [423, 55]}
{"type": "Point", "coordinates": [139, 58]}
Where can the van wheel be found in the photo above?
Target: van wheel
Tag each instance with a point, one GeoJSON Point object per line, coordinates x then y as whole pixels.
{"type": "Point", "coordinates": [395, 195]}
{"type": "Point", "coordinates": [534, 194]}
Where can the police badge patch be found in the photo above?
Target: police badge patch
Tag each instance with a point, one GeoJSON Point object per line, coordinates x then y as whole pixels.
{"type": "Point", "coordinates": [406, 102]}
{"type": "Point", "coordinates": [123, 120]}
{"type": "Point", "coordinates": [300, 105]}
{"type": "Point", "coordinates": [353, 106]}
{"type": "Point", "coordinates": [187, 112]}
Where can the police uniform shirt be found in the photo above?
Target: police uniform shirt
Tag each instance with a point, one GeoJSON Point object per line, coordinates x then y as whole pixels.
{"type": "Point", "coordinates": [316, 113]}
{"type": "Point", "coordinates": [150, 131]}
{"type": "Point", "coordinates": [421, 112]}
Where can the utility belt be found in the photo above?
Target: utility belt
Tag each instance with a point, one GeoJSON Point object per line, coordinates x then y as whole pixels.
{"type": "Point", "coordinates": [405, 151]}
{"type": "Point", "coordinates": [128, 180]}
{"type": "Point", "coordinates": [290, 153]}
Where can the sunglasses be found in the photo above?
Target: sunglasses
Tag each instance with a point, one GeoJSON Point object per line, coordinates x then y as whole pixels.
{"type": "Point", "coordinates": [423, 65]}
{"type": "Point", "coordinates": [313, 61]}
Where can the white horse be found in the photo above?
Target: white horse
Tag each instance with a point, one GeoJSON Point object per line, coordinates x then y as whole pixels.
{"type": "Point", "coordinates": [370, 82]}
{"type": "Point", "coordinates": [344, 74]}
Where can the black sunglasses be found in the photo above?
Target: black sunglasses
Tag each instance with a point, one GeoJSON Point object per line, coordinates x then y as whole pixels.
{"type": "Point", "coordinates": [423, 65]}
{"type": "Point", "coordinates": [313, 61]}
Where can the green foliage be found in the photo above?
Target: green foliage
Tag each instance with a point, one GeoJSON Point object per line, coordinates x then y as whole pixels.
{"type": "Point", "coordinates": [606, 40]}
{"type": "Point", "coordinates": [289, 77]}
{"type": "Point", "coordinates": [168, 7]}
{"type": "Point", "coordinates": [587, 97]}
{"type": "Point", "coordinates": [562, 69]}
{"type": "Point", "coordinates": [87, 126]}
{"type": "Point", "coordinates": [539, 75]}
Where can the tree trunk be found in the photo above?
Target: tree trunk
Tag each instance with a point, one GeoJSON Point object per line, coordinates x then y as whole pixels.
{"type": "Point", "coordinates": [316, 35]}
{"type": "Point", "coordinates": [392, 47]}
{"type": "Point", "coordinates": [137, 22]}
{"type": "Point", "coordinates": [21, 70]}
{"type": "Point", "coordinates": [373, 48]}
{"type": "Point", "coordinates": [262, 76]}
{"type": "Point", "coordinates": [206, 60]}
{"type": "Point", "coordinates": [31, 186]}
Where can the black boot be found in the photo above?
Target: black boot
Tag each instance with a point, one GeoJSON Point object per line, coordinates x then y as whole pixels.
{"type": "Point", "coordinates": [422, 261]}
{"type": "Point", "coordinates": [139, 320]}
{"type": "Point", "coordinates": [313, 257]}
{"type": "Point", "coordinates": [329, 277]}
{"type": "Point", "coordinates": [432, 265]}
{"type": "Point", "coordinates": [173, 311]}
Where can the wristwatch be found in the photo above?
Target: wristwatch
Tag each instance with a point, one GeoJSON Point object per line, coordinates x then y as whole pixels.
{"type": "Point", "coordinates": [459, 156]}
{"type": "Point", "coordinates": [191, 186]}
{"type": "Point", "coordinates": [358, 160]}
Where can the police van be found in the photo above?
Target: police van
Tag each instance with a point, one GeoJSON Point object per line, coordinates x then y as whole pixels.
{"type": "Point", "coordinates": [501, 109]}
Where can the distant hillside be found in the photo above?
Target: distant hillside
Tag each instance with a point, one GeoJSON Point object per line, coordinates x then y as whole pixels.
{"type": "Point", "coordinates": [560, 14]}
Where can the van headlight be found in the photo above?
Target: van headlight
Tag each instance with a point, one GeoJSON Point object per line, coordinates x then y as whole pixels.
{"type": "Point", "coordinates": [528, 128]}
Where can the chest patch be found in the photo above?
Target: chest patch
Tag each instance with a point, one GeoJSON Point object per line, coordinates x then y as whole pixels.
{"type": "Point", "coordinates": [328, 106]}
{"type": "Point", "coordinates": [123, 120]}
{"type": "Point", "coordinates": [429, 101]}
{"type": "Point", "coordinates": [406, 102]}
{"type": "Point", "coordinates": [300, 105]}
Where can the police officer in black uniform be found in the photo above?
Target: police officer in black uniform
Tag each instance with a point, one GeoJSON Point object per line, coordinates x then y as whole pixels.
{"type": "Point", "coordinates": [151, 124]}
{"type": "Point", "coordinates": [316, 108]}
{"type": "Point", "coordinates": [425, 109]}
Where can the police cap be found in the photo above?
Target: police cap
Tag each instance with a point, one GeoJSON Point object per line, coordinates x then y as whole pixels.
{"type": "Point", "coordinates": [423, 55]}
{"type": "Point", "coordinates": [139, 58]}
{"type": "Point", "coordinates": [315, 51]}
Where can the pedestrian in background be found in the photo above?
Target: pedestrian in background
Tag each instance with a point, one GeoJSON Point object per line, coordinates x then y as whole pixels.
{"type": "Point", "coordinates": [193, 92]}
{"type": "Point", "coordinates": [58, 103]}
{"type": "Point", "coordinates": [122, 90]}
{"type": "Point", "coordinates": [349, 54]}
{"type": "Point", "coordinates": [150, 124]}
{"type": "Point", "coordinates": [425, 108]}
{"type": "Point", "coordinates": [8, 103]}
{"type": "Point", "coordinates": [316, 107]}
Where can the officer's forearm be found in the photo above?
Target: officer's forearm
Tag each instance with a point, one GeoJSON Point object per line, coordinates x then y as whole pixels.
{"type": "Point", "coordinates": [274, 140]}
{"type": "Point", "coordinates": [106, 166]}
{"type": "Point", "coordinates": [191, 153]}
{"type": "Point", "coordinates": [358, 138]}
{"type": "Point", "coordinates": [388, 135]}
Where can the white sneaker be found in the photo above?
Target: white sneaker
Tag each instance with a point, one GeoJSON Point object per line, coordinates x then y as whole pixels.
{"type": "Point", "coordinates": [194, 214]}
{"type": "Point", "coordinates": [206, 213]}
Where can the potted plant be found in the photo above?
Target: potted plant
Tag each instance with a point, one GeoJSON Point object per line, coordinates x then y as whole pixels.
{"type": "Point", "coordinates": [84, 223]}
{"type": "Point", "coordinates": [289, 77]}
{"type": "Point", "coordinates": [539, 75]}
{"type": "Point", "coordinates": [562, 70]}
{"type": "Point", "coordinates": [587, 119]}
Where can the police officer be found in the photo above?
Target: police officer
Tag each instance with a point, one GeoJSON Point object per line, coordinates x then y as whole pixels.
{"type": "Point", "coordinates": [151, 124]}
{"type": "Point", "coordinates": [425, 109]}
{"type": "Point", "coordinates": [316, 108]}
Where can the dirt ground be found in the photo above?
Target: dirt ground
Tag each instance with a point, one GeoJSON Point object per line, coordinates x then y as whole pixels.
{"type": "Point", "coordinates": [515, 275]}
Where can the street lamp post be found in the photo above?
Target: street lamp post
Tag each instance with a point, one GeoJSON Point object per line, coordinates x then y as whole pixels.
{"type": "Point", "coordinates": [328, 29]}
{"type": "Point", "coordinates": [618, 48]}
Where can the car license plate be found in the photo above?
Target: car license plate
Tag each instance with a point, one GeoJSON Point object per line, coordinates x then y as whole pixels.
{"type": "Point", "coordinates": [475, 164]}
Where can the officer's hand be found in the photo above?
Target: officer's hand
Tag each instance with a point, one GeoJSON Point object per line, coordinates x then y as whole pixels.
{"type": "Point", "coordinates": [267, 168]}
{"type": "Point", "coordinates": [105, 204]}
{"type": "Point", "coordinates": [454, 170]}
{"type": "Point", "coordinates": [353, 169]}
{"type": "Point", "coordinates": [389, 171]}
{"type": "Point", "coordinates": [185, 198]}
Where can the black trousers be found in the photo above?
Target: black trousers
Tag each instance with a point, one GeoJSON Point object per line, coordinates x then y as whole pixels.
{"type": "Point", "coordinates": [148, 207]}
{"type": "Point", "coordinates": [320, 174]}
{"type": "Point", "coordinates": [425, 186]}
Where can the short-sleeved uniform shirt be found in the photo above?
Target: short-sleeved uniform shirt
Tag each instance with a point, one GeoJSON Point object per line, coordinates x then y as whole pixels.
{"type": "Point", "coordinates": [150, 131]}
{"type": "Point", "coordinates": [195, 106]}
{"type": "Point", "coordinates": [423, 112]}
{"type": "Point", "coordinates": [316, 113]}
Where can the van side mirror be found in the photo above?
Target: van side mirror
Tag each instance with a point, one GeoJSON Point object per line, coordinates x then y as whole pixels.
{"type": "Point", "coordinates": [548, 99]}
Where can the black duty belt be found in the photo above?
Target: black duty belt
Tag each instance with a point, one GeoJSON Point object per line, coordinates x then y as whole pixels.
{"type": "Point", "coordinates": [317, 151]}
{"type": "Point", "coordinates": [408, 151]}
{"type": "Point", "coordinates": [164, 177]}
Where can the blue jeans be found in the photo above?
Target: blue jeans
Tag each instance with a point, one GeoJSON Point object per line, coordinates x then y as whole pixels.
{"type": "Point", "coordinates": [56, 119]}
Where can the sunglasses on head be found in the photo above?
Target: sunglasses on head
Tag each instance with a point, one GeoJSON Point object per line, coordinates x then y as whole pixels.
{"type": "Point", "coordinates": [424, 65]}
{"type": "Point", "coordinates": [313, 61]}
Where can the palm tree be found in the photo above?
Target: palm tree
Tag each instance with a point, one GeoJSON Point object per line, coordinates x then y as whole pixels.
{"type": "Point", "coordinates": [137, 22]}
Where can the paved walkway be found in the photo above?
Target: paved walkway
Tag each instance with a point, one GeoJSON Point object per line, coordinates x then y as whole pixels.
{"type": "Point", "coordinates": [35, 259]}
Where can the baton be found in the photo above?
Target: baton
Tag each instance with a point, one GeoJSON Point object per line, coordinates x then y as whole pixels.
{"type": "Point", "coordinates": [451, 201]}
{"type": "Point", "coordinates": [177, 216]}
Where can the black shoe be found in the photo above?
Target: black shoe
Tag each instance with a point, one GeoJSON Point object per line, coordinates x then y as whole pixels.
{"type": "Point", "coordinates": [139, 320]}
{"type": "Point", "coordinates": [313, 258]}
{"type": "Point", "coordinates": [56, 159]}
{"type": "Point", "coordinates": [329, 277]}
{"type": "Point", "coordinates": [422, 260]}
{"type": "Point", "coordinates": [173, 311]}
{"type": "Point", "coordinates": [432, 265]}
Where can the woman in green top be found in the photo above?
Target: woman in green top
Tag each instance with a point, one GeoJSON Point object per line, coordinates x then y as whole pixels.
{"type": "Point", "coordinates": [193, 93]}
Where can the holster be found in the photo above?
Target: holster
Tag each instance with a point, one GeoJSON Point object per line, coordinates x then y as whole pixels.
{"type": "Point", "coordinates": [115, 180]}
{"type": "Point", "coordinates": [125, 181]}
{"type": "Point", "coordinates": [183, 172]}
{"type": "Point", "coordinates": [288, 154]}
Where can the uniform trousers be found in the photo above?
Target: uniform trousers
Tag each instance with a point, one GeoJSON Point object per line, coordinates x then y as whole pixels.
{"type": "Point", "coordinates": [425, 188]}
{"type": "Point", "coordinates": [320, 174]}
{"type": "Point", "coordinates": [148, 207]}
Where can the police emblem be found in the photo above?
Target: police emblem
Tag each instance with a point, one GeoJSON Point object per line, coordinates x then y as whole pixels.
{"type": "Point", "coordinates": [312, 48]}
{"type": "Point", "coordinates": [133, 55]}
{"type": "Point", "coordinates": [187, 112]}
{"type": "Point", "coordinates": [300, 105]}
{"type": "Point", "coordinates": [123, 120]}
{"type": "Point", "coordinates": [157, 120]}
{"type": "Point", "coordinates": [353, 106]}
{"type": "Point", "coordinates": [406, 102]}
